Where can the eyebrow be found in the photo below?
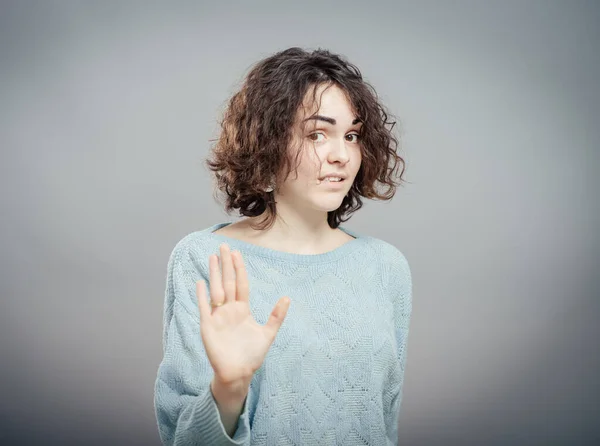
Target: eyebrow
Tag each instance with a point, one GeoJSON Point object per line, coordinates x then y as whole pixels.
{"type": "Point", "coordinates": [328, 119]}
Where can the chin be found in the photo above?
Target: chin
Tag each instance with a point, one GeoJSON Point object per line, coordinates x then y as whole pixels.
{"type": "Point", "coordinates": [330, 205]}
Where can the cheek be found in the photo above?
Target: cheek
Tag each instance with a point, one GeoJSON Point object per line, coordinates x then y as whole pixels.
{"type": "Point", "coordinates": [310, 164]}
{"type": "Point", "coordinates": [308, 172]}
{"type": "Point", "coordinates": [357, 159]}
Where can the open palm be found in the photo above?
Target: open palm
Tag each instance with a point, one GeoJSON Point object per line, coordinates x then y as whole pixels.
{"type": "Point", "coordinates": [236, 345]}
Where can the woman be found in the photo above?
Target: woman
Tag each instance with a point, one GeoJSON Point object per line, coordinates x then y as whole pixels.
{"type": "Point", "coordinates": [302, 142]}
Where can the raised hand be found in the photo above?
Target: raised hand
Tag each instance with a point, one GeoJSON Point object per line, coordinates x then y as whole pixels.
{"type": "Point", "coordinates": [236, 345]}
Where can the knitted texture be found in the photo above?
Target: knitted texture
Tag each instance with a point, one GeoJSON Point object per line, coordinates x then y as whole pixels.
{"type": "Point", "coordinates": [334, 373]}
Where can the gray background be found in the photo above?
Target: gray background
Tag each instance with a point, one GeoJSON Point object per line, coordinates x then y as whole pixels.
{"type": "Point", "coordinates": [106, 112]}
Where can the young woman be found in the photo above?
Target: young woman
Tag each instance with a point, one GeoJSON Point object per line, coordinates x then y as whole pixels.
{"type": "Point", "coordinates": [304, 339]}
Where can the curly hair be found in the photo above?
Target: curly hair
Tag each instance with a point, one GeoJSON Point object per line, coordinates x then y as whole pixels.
{"type": "Point", "coordinates": [252, 151]}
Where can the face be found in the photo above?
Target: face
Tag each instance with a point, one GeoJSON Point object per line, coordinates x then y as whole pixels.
{"type": "Point", "coordinates": [329, 142]}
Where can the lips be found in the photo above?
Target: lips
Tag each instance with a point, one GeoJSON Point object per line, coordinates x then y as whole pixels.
{"type": "Point", "coordinates": [343, 177]}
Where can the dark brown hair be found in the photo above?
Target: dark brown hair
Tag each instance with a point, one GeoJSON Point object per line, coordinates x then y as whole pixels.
{"type": "Point", "coordinates": [257, 128]}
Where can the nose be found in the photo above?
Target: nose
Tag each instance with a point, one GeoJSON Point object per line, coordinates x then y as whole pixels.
{"type": "Point", "coordinates": [338, 152]}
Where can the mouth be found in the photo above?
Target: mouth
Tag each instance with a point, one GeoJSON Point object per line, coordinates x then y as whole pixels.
{"type": "Point", "coordinates": [333, 179]}
{"type": "Point", "coordinates": [335, 184]}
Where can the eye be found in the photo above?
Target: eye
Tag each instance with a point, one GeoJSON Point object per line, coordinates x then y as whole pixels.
{"type": "Point", "coordinates": [315, 137]}
{"type": "Point", "coordinates": [356, 137]}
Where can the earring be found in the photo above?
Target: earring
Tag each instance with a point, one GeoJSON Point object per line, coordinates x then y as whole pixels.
{"type": "Point", "coordinates": [271, 186]}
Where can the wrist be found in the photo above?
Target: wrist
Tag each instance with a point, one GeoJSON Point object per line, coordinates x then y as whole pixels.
{"type": "Point", "coordinates": [231, 393]}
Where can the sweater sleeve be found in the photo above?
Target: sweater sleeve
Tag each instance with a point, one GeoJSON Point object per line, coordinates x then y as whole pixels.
{"type": "Point", "coordinates": [186, 410]}
{"type": "Point", "coordinates": [401, 291]}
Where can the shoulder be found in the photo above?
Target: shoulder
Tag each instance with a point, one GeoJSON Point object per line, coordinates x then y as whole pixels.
{"type": "Point", "coordinates": [388, 253]}
{"type": "Point", "coordinates": [195, 246]}
{"type": "Point", "coordinates": [393, 265]}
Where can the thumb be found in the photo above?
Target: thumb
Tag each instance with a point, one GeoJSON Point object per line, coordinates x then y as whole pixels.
{"type": "Point", "coordinates": [277, 316]}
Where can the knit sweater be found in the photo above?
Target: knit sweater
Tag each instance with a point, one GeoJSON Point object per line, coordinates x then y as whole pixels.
{"type": "Point", "coordinates": [333, 375]}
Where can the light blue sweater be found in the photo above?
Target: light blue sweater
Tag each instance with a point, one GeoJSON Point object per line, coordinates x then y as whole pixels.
{"type": "Point", "coordinates": [335, 370]}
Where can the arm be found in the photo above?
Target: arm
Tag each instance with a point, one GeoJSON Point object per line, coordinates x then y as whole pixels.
{"type": "Point", "coordinates": [230, 401]}
{"type": "Point", "coordinates": [400, 283]}
{"type": "Point", "coordinates": [187, 411]}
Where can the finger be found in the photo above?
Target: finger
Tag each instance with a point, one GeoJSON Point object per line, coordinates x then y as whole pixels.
{"type": "Point", "coordinates": [277, 316]}
{"type": "Point", "coordinates": [241, 277]}
{"type": "Point", "coordinates": [217, 296]}
{"type": "Point", "coordinates": [228, 273]}
{"type": "Point", "coordinates": [202, 301]}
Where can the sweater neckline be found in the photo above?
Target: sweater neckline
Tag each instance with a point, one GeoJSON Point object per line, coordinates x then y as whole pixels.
{"type": "Point", "coordinates": [329, 256]}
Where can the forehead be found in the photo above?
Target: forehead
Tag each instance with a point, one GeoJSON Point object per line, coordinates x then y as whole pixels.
{"type": "Point", "coordinates": [326, 99]}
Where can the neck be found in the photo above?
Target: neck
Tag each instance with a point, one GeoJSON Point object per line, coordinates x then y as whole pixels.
{"type": "Point", "coordinates": [296, 230]}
